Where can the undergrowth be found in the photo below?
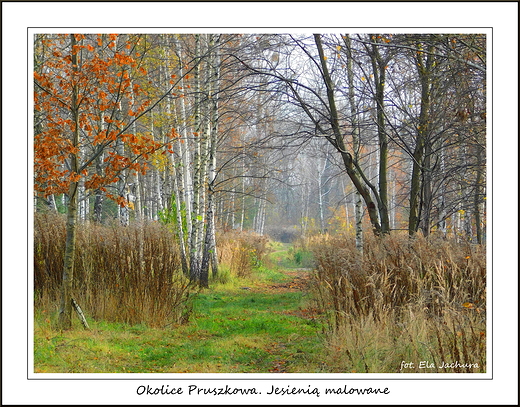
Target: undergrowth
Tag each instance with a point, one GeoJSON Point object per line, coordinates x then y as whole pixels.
{"type": "Point", "coordinates": [242, 252]}
{"type": "Point", "coordinates": [403, 305]}
{"type": "Point", "coordinates": [243, 323]}
{"type": "Point", "coordinates": [403, 299]}
{"type": "Point", "coordinates": [132, 274]}
{"type": "Point", "coordinates": [121, 274]}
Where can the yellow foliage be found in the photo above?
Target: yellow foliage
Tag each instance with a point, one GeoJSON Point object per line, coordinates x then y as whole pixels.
{"type": "Point", "coordinates": [160, 160]}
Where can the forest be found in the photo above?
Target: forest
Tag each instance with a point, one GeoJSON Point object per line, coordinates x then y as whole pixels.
{"type": "Point", "coordinates": [260, 203]}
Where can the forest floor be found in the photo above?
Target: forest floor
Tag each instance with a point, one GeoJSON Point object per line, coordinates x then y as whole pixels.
{"type": "Point", "coordinates": [266, 324]}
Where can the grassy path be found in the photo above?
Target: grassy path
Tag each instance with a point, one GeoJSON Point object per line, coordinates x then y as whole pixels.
{"type": "Point", "coordinates": [265, 327]}
{"type": "Point", "coordinates": [268, 326]}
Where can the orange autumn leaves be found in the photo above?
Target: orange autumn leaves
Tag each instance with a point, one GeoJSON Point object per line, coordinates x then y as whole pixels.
{"type": "Point", "coordinates": [102, 95]}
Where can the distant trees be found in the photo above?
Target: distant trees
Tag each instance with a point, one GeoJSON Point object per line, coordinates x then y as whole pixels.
{"type": "Point", "coordinates": [387, 104]}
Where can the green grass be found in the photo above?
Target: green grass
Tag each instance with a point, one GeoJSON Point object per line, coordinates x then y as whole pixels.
{"type": "Point", "coordinates": [231, 330]}
{"type": "Point", "coordinates": [287, 256]}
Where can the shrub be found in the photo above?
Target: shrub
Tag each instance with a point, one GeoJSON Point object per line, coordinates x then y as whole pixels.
{"type": "Point", "coordinates": [242, 251]}
{"type": "Point", "coordinates": [432, 291]}
{"type": "Point", "coordinates": [284, 234]}
{"type": "Point", "coordinates": [395, 271]}
{"type": "Point", "coordinates": [122, 274]}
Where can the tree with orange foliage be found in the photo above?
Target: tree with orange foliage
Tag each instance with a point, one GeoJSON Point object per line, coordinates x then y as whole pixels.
{"type": "Point", "coordinates": [84, 102]}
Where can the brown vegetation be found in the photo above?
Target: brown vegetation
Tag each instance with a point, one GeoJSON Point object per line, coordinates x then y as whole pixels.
{"type": "Point", "coordinates": [413, 297]}
{"type": "Point", "coordinates": [122, 274]}
{"type": "Point", "coordinates": [242, 251]}
{"type": "Point", "coordinates": [129, 274]}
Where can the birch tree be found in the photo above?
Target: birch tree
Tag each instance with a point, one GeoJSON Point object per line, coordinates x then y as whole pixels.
{"type": "Point", "coordinates": [356, 142]}
{"type": "Point", "coordinates": [210, 255]}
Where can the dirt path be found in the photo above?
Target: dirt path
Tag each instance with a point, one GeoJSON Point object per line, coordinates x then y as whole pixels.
{"type": "Point", "coordinates": [300, 281]}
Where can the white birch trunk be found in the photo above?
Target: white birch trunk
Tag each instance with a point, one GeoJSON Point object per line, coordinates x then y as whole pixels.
{"type": "Point", "coordinates": [393, 205]}
{"type": "Point", "coordinates": [185, 181]}
{"type": "Point", "coordinates": [232, 210]}
{"type": "Point", "coordinates": [51, 203]}
{"type": "Point", "coordinates": [243, 206]}
{"type": "Point", "coordinates": [213, 160]}
{"type": "Point", "coordinates": [136, 184]}
{"type": "Point", "coordinates": [177, 177]}
{"type": "Point", "coordinates": [358, 208]}
{"type": "Point", "coordinates": [197, 220]}
{"type": "Point", "coordinates": [159, 186]}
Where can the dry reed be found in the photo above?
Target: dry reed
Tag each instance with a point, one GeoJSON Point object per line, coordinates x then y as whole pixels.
{"type": "Point", "coordinates": [122, 274]}
{"type": "Point", "coordinates": [242, 251]}
{"type": "Point", "coordinates": [409, 297]}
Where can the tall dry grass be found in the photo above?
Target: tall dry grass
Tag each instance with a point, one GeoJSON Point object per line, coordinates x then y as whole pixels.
{"type": "Point", "coordinates": [403, 299]}
{"type": "Point", "coordinates": [242, 251]}
{"type": "Point", "coordinates": [122, 274]}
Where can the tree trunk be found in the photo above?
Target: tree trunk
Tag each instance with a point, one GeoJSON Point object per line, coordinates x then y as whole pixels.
{"type": "Point", "coordinates": [243, 198]}
{"type": "Point", "coordinates": [51, 203]}
{"type": "Point", "coordinates": [65, 312]}
{"type": "Point", "coordinates": [442, 206]}
{"type": "Point", "coordinates": [206, 256]}
{"type": "Point", "coordinates": [83, 202]}
{"type": "Point", "coordinates": [215, 63]}
{"type": "Point", "coordinates": [339, 144]}
{"type": "Point", "coordinates": [419, 166]}
{"type": "Point", "coordinates": [198, 184]}
{"type": "Point", "coordinates": [427, 194]}
{"type": "Point", "coordinates": [180, 214]}
{"type": "Point", "coordinates": [415, 188]}
{"type": "Point", "coordinates": [98, 200]}
{"type": "Point", "coordinates": [358, 210]}
{"type": "Point", "coordinates": [477, 197]}
{"type": "Point", "coordinates": [185, 181]}
{"type": "Point", "coordinates": [379, 69]}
